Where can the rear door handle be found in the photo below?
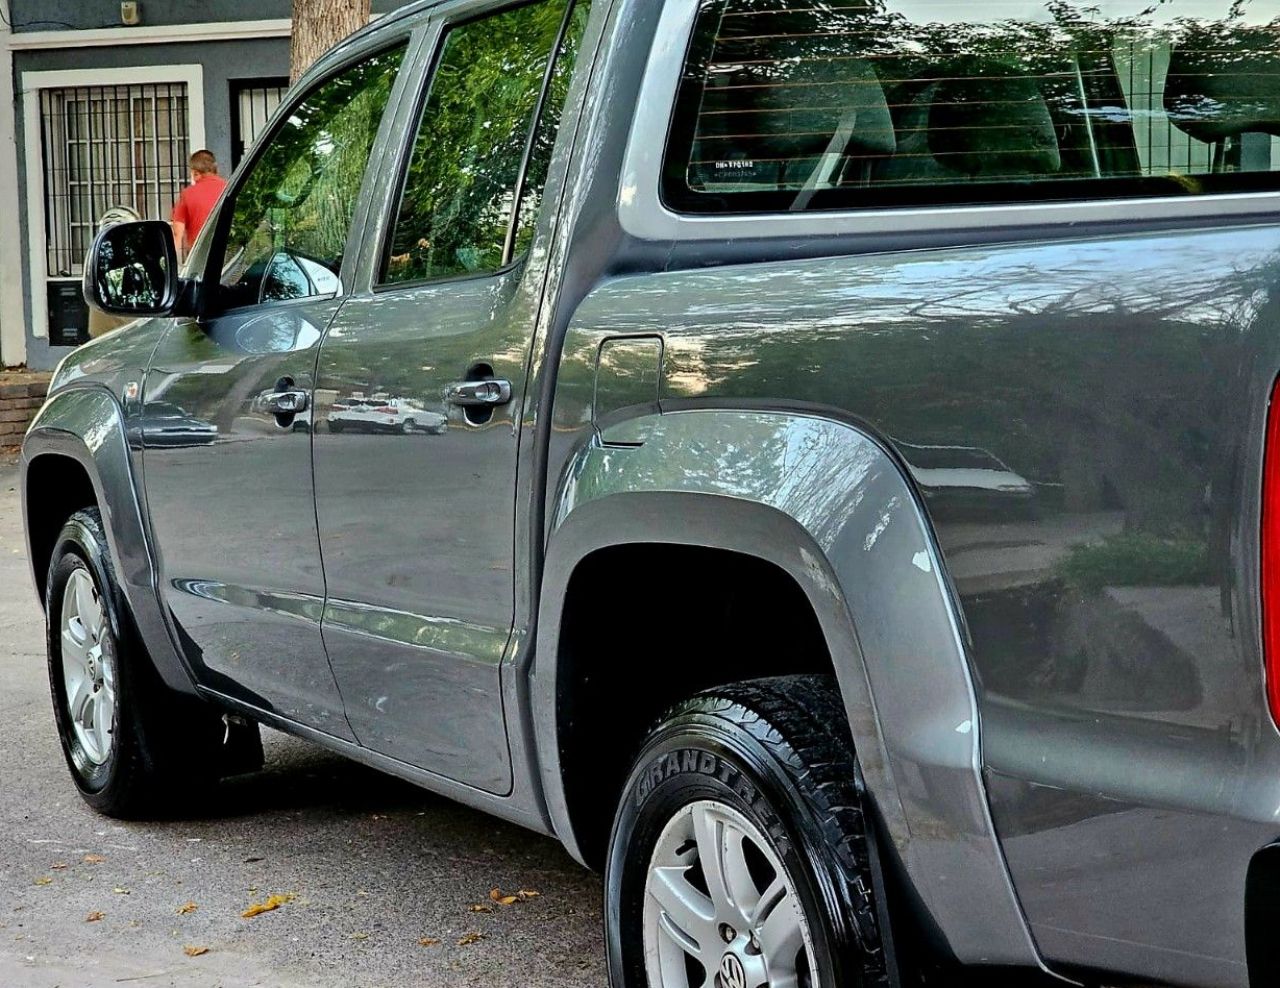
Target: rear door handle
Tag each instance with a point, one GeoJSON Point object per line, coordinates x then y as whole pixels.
{"type": "Point", "coordinates": [285, 402]}
{"type": "Point", "coordinates": [471, 394]}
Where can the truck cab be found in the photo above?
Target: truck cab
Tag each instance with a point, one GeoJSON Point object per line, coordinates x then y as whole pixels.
{"type": "Point", "coordinates": [816, 460]}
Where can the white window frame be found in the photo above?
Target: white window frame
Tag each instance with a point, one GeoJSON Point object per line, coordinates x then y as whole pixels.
{"type": "Point", "coordinates": [33, 138]}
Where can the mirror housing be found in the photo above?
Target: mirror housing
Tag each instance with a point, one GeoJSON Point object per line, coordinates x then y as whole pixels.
{"type": "Point", "coordinates": [132, 270]}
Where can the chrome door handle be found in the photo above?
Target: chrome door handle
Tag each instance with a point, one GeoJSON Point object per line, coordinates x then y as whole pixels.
{"type": "Point", "coordinates": [471, 394]}
{"type": "Point", "coordinates": [285, 402]}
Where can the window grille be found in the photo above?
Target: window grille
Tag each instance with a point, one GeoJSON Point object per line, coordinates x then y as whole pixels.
{"type": "Point", "coordinates": [253, 104]}
{"type": "Point", "coordinates": [108, 146]}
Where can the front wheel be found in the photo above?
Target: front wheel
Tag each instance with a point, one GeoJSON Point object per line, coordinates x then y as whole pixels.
{"type": "Point", "coordinates": [133, 746]}
{"type": "Point", "coordinates": [740, 857]}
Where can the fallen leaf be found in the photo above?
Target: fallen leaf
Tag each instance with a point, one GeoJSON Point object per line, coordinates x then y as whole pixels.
{"type": "Point", "coordinates": [195, 951]}
{"type": "Point", "coordinates": [497, 896]}
{"type": "Point", "coordinates": [360, 936]}
{"type": "Point", "coordinates": [480, 908]}
{"type": "Point", "coordinates": [44, 880]}
{"type": "Point", "coordinates": [467, 939]}
{"type": "Point", "coordinates": [59, 866]}
{"type": "Point", "coordinates": [527, 894]}
{"type": "Point", "coordinates": [428, 942]}
{"type": "Point", "coordinates": [95, 916]}
{"type": "Point", "coordinates": [252, 860]}
{"type": "Point", "coordinates": [187, 907]}
{"type": "Point", "coordinates": [119, 891]}
{"type": "Point", "coordinates": [273, 902]}
{"type": "Point", "coordinates": [94, 859]}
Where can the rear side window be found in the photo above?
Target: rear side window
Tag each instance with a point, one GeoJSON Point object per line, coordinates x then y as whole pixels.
{"type": "Point", "coordinates": [480, 123]}
{"type": "Point", "coordinates": [798, 104]}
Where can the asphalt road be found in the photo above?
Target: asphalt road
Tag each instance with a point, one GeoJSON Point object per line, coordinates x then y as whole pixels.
{"type": "Point", "coordinates": [378, 868]}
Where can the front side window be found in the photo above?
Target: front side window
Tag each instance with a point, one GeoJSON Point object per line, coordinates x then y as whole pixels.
{"type": "Point", "coordinates": [457, 213]}
{"type": "Point", "coordinates": [292, 214]}
{"type": "Point", "coordinates": [792, 104]}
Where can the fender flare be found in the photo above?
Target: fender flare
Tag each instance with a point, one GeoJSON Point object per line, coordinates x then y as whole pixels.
{"type": "Point", "coordinates": [86, 424]}
{"type": "Point", "coordinates": [830, 506]}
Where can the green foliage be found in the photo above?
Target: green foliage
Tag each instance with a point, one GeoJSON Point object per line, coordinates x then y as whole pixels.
{"type": "Point", "coordinates": [1137, 559]}
{"type": "Point", "coordinates": [301, 193]}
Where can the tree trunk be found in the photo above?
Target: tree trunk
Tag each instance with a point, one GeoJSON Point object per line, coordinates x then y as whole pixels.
{"type": "Point", "coordinates": [318, 25]}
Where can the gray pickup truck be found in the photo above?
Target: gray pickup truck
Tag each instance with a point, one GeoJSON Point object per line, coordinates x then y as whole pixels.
{"type": "Point", "coordinates": [819, 459]}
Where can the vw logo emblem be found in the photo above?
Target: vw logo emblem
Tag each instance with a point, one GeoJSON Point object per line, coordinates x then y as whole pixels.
{"type": "Point", "coordinates": [732, 973]}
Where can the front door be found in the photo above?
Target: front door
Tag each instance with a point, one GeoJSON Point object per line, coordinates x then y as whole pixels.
{"type": "Point", "coordinates": [418, 388]}
{"type": "Point", "coordinates": [228, 407]}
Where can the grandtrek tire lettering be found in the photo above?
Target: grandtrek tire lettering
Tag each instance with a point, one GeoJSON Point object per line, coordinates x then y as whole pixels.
{"type": "Point", "coordinates": [691, 760]}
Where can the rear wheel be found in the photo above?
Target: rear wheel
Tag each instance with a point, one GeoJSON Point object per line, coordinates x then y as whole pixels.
{"type": "Point", "coordinates": [740, 857]}
{"type": "Point", "coordinates": [132, 745]}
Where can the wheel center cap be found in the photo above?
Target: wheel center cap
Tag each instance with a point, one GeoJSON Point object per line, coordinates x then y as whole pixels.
{"type": "Point", "coordinates": [732, 973]}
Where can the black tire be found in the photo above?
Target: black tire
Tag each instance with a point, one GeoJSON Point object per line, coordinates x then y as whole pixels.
{"type": "Point", "coordinates": [778, 752]}
{"type": "Point", "coordinates": [164, 747]}
{"type": "Point", "coordinates": [335, 426]}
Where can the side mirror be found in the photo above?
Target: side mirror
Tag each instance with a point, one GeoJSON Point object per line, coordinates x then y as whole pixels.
{"type": "Point", "coordinates": [132, 270]}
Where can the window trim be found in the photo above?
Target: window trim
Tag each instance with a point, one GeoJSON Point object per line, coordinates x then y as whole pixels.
{"type": "Point", "coordinates": [210, 277]}
{"type": "Point", "coordinates": [405, 152]}
{"type": "Point", "coordinates": [643, 213]}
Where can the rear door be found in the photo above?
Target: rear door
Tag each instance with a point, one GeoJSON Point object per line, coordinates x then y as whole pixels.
{"type": "Point", "coordinates": [416, 521]}
{"type": "Point", "coordinates": [228, 403]}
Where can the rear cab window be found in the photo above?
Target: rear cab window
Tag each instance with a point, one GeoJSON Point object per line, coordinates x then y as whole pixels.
{"type": "Point", "coordinates": [797, 105]}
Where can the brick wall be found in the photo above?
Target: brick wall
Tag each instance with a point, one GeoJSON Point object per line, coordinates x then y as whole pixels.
{"type": "Point", "coordinates": [21, 395]}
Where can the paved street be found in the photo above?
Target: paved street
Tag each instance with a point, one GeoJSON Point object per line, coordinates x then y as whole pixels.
{"type": "Point", "coordinates": [377, 867]}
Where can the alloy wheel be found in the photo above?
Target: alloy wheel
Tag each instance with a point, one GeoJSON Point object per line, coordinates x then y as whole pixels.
{"type": "Point", "coordinates": [88, 667]}
{"type": "Point", "coordinates": [720, 910]}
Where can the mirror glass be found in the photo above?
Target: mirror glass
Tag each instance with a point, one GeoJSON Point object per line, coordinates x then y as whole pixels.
{"type": "Point", "coordinates": [132, 265]}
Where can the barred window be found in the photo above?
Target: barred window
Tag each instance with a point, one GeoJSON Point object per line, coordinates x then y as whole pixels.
{"type": "Point", "coordinates": [812, 104]}
{"type": "Point", "coordinates": [107, 146]}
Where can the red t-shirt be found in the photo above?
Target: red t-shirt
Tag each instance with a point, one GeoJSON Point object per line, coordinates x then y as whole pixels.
{"type": "Point", "coordinates": [196, 203]}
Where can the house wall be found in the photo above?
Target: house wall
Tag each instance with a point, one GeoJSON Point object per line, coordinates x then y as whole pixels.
{"type": "Point", "coordinates": [52, 15]}
{"type": "Point", "coordinates": [222, 63]}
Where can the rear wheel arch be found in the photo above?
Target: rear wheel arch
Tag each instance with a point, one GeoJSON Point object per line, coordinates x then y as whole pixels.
{"type": "Point", "coordinates": [606, 705]}
{"type": "Point", "coordinates": [829, 503]}
{"type": "Point", "coordinates": [609, 554]}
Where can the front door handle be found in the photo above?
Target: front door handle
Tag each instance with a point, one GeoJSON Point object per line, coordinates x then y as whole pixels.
{"type": "Point", "coordinates": [285, 402]}
{"type": "Point", "coordinates": [472, 394]}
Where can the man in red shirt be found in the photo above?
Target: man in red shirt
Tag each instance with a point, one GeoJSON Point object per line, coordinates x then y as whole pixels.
{"type": "Point", "coordinates": [197, 200]}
